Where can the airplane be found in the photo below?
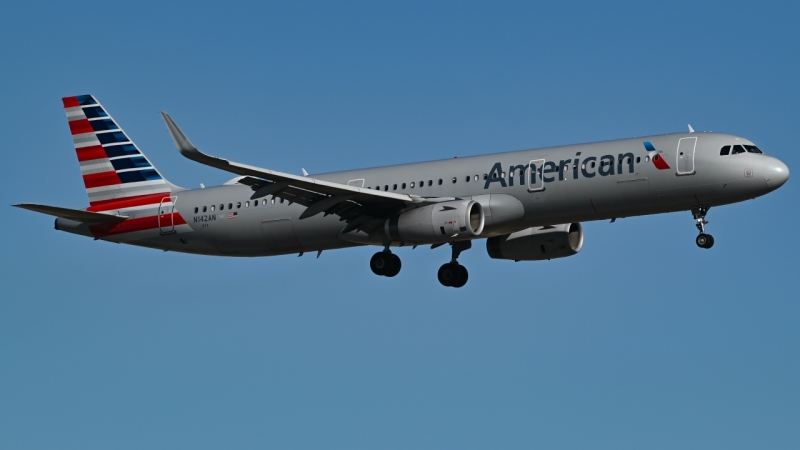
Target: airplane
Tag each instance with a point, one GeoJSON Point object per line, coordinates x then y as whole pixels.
{"type": "Point", "coordinates": [528, 205]}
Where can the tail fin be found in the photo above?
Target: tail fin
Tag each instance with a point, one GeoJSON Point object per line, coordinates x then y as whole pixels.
{"type": "Point", "coordinates": [114, 170]}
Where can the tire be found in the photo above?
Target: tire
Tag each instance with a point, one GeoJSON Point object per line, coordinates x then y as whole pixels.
{"type": "Point", "coordinates": [380, 263]}
{"type": "Point", "coordinates": [702, 240]}
{"type": "Point", "coordinates": [462, 278]}
{"type": "Point", "coordinates": [394, 266]}
{"type": "Point", "coordinates": [447, 274]}
{"type": "Point", "coordinates": [710, 242]}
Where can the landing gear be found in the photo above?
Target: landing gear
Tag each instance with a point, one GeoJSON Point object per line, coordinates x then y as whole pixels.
{"type": "Point", "coordinates": [703, 240]}
{"type": "Point", "coordinates": [385, 263]}
{"type": "Point", "coordinates": [454, 274]}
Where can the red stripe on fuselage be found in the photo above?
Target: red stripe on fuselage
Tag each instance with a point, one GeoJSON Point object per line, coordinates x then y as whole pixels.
{"type": "Point", "coordinates": [90, 153]}
{"type": "Point", "coordinates": [138, 224]}
{"type": "Point", "coordinates": [70, 102]}
{"type": "Point", "coordinates": [128, 202]}
{"type": "Point", "coordinates": [80, 126]}
{"type": "Point", "coordinates": [101, 179]}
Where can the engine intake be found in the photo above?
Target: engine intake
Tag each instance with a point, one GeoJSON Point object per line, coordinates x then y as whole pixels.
{"type": "Point", "coordinates": [437, 223]}
{"type": "Point", "coordinates": [537, 243]}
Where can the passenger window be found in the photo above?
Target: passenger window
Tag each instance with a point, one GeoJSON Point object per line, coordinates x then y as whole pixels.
{"type": "Point", "coordinates": [394, 187]}
{"type": "Point", "coordinates": [477, 177]}
{"type": "Point", "coordinates": [264, 202]}
{"type": "Point", "coordinates": [503, 175]}
{"type": "Point", "coordinates": [412, 185]}
{"type": "Point", "coordinates": [195, 209]}
{"type": "Point", "coordinates": [638, 159]}
{"type": "Point", "coordinates": [726, 150]}
{"type": "Point", "coordinates": [272, 201]}
{"type": "Point", "coordinates": [752, 149]}
{"type": "Point", "coordinates": [221, 206]}
{"type": "Point", "coordinates": [646, 159]}
{"type": "Point", "coordinates": [204, 208]}
{"type": "Point", "coordinates": [468, 178]}
{"type": "Point", "coordinates": [738, 149]}
{"type": "Point", "coordinates": [247, 204]}
{"type": "Point", "coordinates": [440, 181]}
{"type": "Point", "coordinates": [430, 182]}
{"type": "Point", "coordinates": [386, 187]}
{"type": "Point", "coordinates": [281, 200]}
{"type": "Point", "coordinates": [404, 185]}
{"type": "Point", "coordinates": [230, 205]}
{"type": "Point", "coordinates": [238, 205]}
{"type": "Point", "coordinates": [454, 180]}
{"type": "Point", "coordinates": [212, 208]}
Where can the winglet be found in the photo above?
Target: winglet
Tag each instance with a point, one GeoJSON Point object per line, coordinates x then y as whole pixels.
{"type": "Point", "coordinates": [181, 141]}
{"type": "Point", "coordinates": [691, 130]}
{"type": "Point", "coordinates": [186, 147]}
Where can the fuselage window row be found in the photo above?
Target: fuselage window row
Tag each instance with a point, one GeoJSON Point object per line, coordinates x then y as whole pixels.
{"type": "Point", "coordinates": [212, 208]}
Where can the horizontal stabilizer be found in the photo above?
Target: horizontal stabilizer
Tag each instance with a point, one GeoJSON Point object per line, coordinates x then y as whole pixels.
{"type": "Point", "coordinates": [73, 214]}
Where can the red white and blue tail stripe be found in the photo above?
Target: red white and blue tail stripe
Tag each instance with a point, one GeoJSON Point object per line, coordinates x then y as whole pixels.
{"type": "Point", "coordinates": [118, 177]}
{"type": "Point", "coordinates": [112, 166]}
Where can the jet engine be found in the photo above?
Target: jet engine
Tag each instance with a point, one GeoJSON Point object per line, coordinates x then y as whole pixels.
{"type": "Point", "coordinates": [437, 223]}
{"type": "Point", "coordinates": [537, 243]}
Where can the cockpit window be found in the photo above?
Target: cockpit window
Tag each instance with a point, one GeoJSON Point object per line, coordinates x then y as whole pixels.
{"type": "Point", "coordinates": [752, 149]}
{"type": "Point", "coordinates": [725, 150]}
{"type": "Point", "coordinates": [738, 149]}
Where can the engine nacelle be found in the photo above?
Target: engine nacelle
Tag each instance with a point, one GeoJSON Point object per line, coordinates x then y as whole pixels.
{"type": "Point", "coordinates": [537, 243]}
{"type": "Point", "coordinates": [437, 223]}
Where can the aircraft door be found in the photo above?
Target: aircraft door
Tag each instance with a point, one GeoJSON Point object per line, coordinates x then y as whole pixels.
{"type": "Point", "coordinates": [685, 154]}
{"type": "Point", "coordinates": [166, 209]}
{"type": "Point", "coordinates": [357, 183]}
{"type": "Point", "coordinates": [535, 182]}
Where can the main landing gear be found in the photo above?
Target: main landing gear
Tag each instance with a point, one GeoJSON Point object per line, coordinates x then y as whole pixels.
{"type": "Point", "coordinates": [385, 263]}
{"type": "Point", "coordinates": [703, 240]}
{"type": "Point", "coordinates": [454, 274]}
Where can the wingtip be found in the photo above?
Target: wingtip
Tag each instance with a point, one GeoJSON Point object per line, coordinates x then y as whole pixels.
{"type": "Point", "coordinates": [183, 143]}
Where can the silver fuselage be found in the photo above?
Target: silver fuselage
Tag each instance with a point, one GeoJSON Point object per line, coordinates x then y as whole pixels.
{"type": "Point", "coordinates": [565, 191]}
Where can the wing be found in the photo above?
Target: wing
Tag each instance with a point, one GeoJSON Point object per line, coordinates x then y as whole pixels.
{"type": "Point", "coordinates": [73, 214]}
{"type": "Point", "coordinates": [363, 209]}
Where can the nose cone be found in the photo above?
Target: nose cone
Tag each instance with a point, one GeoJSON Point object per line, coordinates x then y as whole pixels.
{"type": "Point", "coordinates": [776, 173]}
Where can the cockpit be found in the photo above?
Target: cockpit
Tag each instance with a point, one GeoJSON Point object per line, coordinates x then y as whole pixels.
{"type": "Point", "coordinates": [736, 149]}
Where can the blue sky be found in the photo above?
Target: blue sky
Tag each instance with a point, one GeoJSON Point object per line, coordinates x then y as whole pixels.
{"type": "Point", "coordinates": [641, 340]}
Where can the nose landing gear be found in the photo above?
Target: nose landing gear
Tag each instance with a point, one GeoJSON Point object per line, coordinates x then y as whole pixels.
{"type": "Point", "coordinates": [703, 240]}
{"type": "Point", "coordinates": [454, 274]}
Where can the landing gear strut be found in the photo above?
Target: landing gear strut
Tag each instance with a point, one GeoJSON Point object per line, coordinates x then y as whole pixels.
{"type": "Point", "coordinates": [703, 240]}
{"type": "Point", "coordinates": [454, 274]}
{"type": "Point", "coordinates": [385, 263]}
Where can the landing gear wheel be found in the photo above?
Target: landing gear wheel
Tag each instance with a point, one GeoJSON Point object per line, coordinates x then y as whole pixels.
{"type": "Point", "coordinates": [448, 273]}
{"type": "Point", "coordinates": [380, 263]}
{"type": "Point", "coordinates": [394, 266]}
{"type": "Point", "coordinates": [704, 240]}
{"type": "Point", "coordinates": [463, 276]}
{"type": "Point", "coordinates": [453, 275]}
{"type": "Point", "coordinates": [385, 264]}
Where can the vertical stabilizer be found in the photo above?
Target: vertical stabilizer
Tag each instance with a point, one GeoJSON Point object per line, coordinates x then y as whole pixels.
{"type": "Point", "coordinates": [114, 170]}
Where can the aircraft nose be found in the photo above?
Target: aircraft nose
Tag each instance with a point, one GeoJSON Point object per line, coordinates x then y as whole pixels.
{"type": "Point", "coordinates": [776, 173]}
